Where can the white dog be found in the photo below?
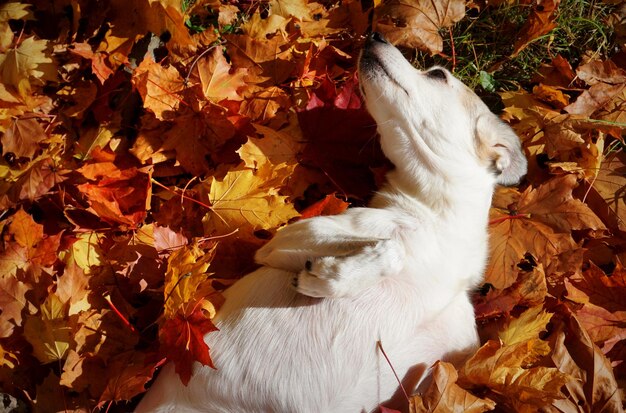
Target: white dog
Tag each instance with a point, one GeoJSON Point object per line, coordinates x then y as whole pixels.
{"type": "Point", "coordinates": [397, 272]}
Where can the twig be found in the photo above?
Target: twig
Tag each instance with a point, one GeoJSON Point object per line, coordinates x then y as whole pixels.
{"type": "Point", "coordinates": [380, 347]}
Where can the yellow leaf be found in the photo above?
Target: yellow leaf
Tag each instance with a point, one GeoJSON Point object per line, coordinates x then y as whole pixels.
{"type": "Point", "coordinates": [247, 199]}
{"type": "Point", "coordinates": [525, 328]}
{"type": "Point", "coordinates": [186, 279]}
{"type": "Point", "coordinates": [276, 148]}
{"type": "Point", "coordinates": [508, 371]}
{"type": "Point", "coordinates": [291, 8]}
{"type": "Point", "coordinates": [158, 87]}
{"type": "Point", "coordinates": [258, 28]}
{"type": "Point", "coordinates": [25, 62]}
{"type": "Point", "coordinates": [15, 11]}
{"type": "Point", "coordinates": [7, 358]}
{"type": "Point", "coordinates": [49, 333]}
{"type": "Point", "coordinates": [218, 83]}
{"type": "Point", "coordinates": [85, 252]}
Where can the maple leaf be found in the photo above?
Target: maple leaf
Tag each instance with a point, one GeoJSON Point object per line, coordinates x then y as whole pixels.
{"type": "Point", "coordinates": [330, 205]}
{"type": "Point", "coordinates": [217, 78]}
{"type": "Point", "coordinates": [545, 215]}
{"type": "Point", "coordinates": [159, 87]}
{"type": "Point", "coordinates": [37, 180]}
{"type": "Point", "coordinates": [49, 334]}
{"type": "Point", "coordinates": [197, 137]}
{"type": "Point", "coordinates": [444, 395]}
{"type": "Point", "coordinates": [22, 138]}
{"type": "Point", "coordinates": [245, 198]}
{"type": "Point", "coordinates": [540, 21]}
{"type": "Point", "coordinates": [182, 342]}
{"type": "Point", "coordinates": [12, 301]}
{"type": "Point", "coordinates": [604, 191]}
{"type": "Point", "coordinates": [129, 373]}
{"type": "Point", "coordinates": [72, 288]}
{"type": "Point", "coordinates": [575, 354]}
{"type": "Point", "coordinates": [117, 195]}
{"type": "Point", "coordinates": [99, 65]}
{"type": "Point", "coordinates": [186, 281]}
{"type": "Point", "coordinates": [265, 59]}
{"type": "Point", "coordinates": [511, 239]}
{"type": "Point", "coordinates": [603, 311]}
{"type": "Point", "coordinates": [553, 204]}
{"type": "Point", "coordinates": [263, 104]}
{"type": "Point", "coordinates": [416, 23]}
{"type": "Point", "coordinates": [259, 28]}
{"type": "Point", "coordinates": [276, 148]}
{"type": "Point", "coordinates": [25, 230]}
{"type": "Point", "coordinates": [526, 327]}
{"type": "Point", "coordinates": [155, 16]}
{"type": "Point", "coordinates": [508, 369]}
{"type": "Point", "coordinates": [27, 61]}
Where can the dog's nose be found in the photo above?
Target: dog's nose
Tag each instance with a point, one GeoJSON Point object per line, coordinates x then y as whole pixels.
{"type": "Point", "coordinates": [377, 37]}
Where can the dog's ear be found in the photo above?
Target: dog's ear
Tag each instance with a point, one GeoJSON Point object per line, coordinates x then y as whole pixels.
{"type": "Point", "coordinates": [499, 145]}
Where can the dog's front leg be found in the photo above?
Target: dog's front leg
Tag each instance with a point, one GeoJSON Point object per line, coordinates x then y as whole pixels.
{"type": "Point", "coordinates": [338, 276]}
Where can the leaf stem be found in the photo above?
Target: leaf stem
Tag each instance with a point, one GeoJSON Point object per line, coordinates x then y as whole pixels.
{"type": "Point", "coordinates": [119, 314]}
{"type": "Point", "coordinates": [382, 350]}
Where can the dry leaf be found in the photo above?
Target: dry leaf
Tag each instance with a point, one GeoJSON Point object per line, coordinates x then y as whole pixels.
{"type": "Point", "coordinates": [416, 23]}
{"type": "Point", "coordinates": [445, 396]}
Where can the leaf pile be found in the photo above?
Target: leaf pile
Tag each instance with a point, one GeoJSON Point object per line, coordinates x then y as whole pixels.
{"type": "Point", "coordinates": [150, 147]}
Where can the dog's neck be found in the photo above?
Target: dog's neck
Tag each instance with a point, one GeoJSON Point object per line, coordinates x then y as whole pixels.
{"type": "Point", "coordinates": [451, 198]}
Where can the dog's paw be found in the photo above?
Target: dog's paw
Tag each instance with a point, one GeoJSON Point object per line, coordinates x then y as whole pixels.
{"type": "Point", "coordinates": [347, 275]}
{"type": "Point", "coordinates": [323, 277]}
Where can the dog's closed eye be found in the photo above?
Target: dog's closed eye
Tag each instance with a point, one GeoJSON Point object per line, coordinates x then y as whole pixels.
{"type": "Point", "coordinates": [437, 74]}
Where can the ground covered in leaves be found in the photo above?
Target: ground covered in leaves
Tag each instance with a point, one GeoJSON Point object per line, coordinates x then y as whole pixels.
{"type": "Point", "coordinates": [150, 147]}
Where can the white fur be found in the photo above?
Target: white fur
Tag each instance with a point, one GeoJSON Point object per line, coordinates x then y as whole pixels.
{"type": "Point", "coordinates": [397, 272]}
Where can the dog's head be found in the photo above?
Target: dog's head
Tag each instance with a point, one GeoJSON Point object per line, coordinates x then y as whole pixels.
{"type": "Point", "coordinates": [432, 119]}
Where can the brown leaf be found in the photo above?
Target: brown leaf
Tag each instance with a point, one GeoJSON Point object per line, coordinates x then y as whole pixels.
{"type": "Point", "coordinates": [511, 239]}
{"type": "Point", "coordinates": [553, 204]}
{"type": "Point", "coordinates": [593, 384]}
{"type": "Point", "coordinates": [603, 311]}
{"type": "Point", "coordinates": [218, 80]}
{"type": "Point", "coordinates": [12, 301]}
{"type": "Point", "coordinates": [445, 396]}
{"type": "Point", "coordinates": [540, 21]}
{"type": "Point", "coordinates": [197, 137]}
{"type": "Point", "coordinates": [604, 192]}
{"type": "Point", "coordinates": [416, 23]}
{"type": "Point", "coordinates": [551, 96]}
{"type": "Point", "coordinates": [128, 374]}
{"type": "Point", "coordinates": [594, 99]}
{"type": "Point", "coordinates": [22, 138]}
{"type": "Point", "coordinates": [159, 87]}
{"type": "Point", "coordinates": [529, 290]}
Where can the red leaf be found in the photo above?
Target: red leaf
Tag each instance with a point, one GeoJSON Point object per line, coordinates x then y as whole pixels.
{"type": "Point", "coordinates": [182, 341]}
{"type": "Point", "coordinates": [331, 205]}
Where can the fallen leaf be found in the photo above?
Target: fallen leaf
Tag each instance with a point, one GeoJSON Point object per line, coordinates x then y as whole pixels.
{"type": "Point", "coordinates": [247, 200]}
{"type": "Point", "coordinates": [49, 333]}
{"type": "Point", "coordinates": [25, 63]}
{"type": "Point", "coordinates": [416, 23]}
{"type": "Point", "coordinates": [218, 80]}
{"type": "Point", "coordinates": [445, 396]}
{"type": "Point", "coordinates": [540, 21]}
{"type": "Point", "coordinates": [159, 87]}
{"type": "Point", "coordinates": [23, 137]}
{"type": "Point", "coordinates": [182, 342]}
